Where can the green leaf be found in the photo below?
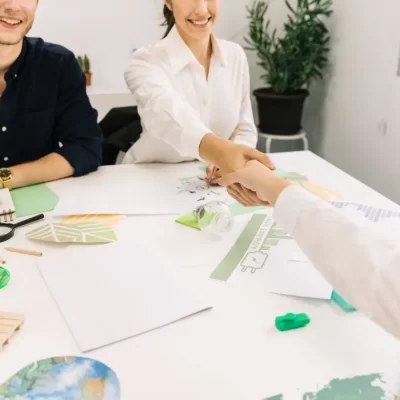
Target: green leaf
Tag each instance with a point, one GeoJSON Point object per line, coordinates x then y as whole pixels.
{"type": "Point", "coordinates": [87, 232]}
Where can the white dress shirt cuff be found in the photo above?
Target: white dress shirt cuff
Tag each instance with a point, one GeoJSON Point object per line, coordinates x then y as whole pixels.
{"type": "Point", "coordinates": [198, 131]}
{"type": "Point", "coordinates": [291, 204]}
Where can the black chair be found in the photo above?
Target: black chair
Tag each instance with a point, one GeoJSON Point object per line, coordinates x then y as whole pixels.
{"type": "Point", "coordinates": [121, 129]}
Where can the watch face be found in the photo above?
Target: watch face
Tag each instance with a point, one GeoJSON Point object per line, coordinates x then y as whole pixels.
{"type": "Point", "coordinates": [5, 173]}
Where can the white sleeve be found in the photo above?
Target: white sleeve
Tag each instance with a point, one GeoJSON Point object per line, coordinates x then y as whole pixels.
{"type": "Point", "coordinates": [248, 131]}
{"type": "Point", "coordinates": [163, 111]}
{"type": "Point", "coordinates": [362, 265]}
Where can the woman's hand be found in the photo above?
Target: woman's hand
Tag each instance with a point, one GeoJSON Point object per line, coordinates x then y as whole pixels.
{"type": "Point", "coordinates": [212, 174]}
{"type": "Point", "coordinates": [230, 157]}
{"type": "Point", "coordinates": [258, 179]}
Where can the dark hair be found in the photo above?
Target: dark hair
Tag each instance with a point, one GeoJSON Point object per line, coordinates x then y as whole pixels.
{"type": "Point", "coordinates": [169, 20]}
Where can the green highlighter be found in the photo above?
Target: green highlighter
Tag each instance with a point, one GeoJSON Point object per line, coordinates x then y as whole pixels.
{"type": "Point", "coordinates": [291, 321]}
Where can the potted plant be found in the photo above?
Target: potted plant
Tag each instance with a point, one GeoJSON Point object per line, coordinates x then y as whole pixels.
{"type": "Point", "coordinates": [84, 62]}
{"type": "Point", "coordinates": [292, 61]}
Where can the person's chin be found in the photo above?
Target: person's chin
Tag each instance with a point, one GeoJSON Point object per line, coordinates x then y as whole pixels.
{"type": "Point", "coordinates": [12, 38]}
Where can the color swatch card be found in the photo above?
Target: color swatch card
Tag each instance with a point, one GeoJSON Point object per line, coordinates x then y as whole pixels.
{"type": "Point", "coordinates": [113, 292]}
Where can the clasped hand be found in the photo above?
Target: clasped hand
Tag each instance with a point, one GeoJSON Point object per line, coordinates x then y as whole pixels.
{"type": "Point", "coordinates": [232, 159]}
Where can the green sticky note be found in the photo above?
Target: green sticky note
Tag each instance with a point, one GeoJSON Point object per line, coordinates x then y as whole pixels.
{"type": "Point", "coordinates": [33, 200]}
{"type": "Point", "coordinates": [189, 220]}
{"type": "Point", "coordinates": [238, 209]}
{"type": "Point", "coordinates": [343, 304]}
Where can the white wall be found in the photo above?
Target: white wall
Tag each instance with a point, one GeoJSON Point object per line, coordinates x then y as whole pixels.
{"type": "Point", "coordinates": [108, 31]}
{"type": "Point", "coordinates": [345, 114]}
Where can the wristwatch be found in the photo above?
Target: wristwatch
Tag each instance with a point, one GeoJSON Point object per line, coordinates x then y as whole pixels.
{"type": "Point", "coordinates": [6, 178]}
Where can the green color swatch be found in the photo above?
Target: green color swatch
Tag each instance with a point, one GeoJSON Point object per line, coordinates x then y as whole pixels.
{"type": "Point", "coordinates": [87, 232]}
{"type": "Point", "coordinates": [33, 200]}
{"type": "Point", "coordinates": [226, 268]}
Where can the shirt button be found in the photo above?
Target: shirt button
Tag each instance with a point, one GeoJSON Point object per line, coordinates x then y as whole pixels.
{"type": "Point", "coordinates": [4, 128]}
{"type": "Point", "coordinates": [5, 158]}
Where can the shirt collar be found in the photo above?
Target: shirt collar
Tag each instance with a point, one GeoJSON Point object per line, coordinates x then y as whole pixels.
{"type": "Point", "coordinates": [180, 55]}
{"type": "Point", "coordinates": [16, 67]}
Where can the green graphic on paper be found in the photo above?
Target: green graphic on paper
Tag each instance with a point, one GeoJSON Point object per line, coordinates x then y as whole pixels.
{"type": "Point", "coordinates": [33, 200]}
{"type": "Point", "coordinates": [364, 387]}
{"type": "Point", "coordinates": [251, 250]}
{"type": "Point", "coordinates": [87, 232]}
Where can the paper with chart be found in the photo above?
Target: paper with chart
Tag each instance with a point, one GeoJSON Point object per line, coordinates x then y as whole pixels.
{"type": "Point", "coordinates": [117, 291]}
{"type": "Point", "coordinates": [266, 257]}
{"type": "Point", "coordinates": [384, 220]}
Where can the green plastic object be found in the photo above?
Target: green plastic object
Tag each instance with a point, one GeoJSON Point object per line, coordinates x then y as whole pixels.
{"type": "Point", "coordinates": [343, 304]}
{"type": "Point", "coordinates": [291, 321]}
{"type": "Point", "coordinates": [4, 277]}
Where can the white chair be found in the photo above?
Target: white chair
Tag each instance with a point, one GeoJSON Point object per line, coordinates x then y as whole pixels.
{"type": "Point", "coordinates": [302, 135]}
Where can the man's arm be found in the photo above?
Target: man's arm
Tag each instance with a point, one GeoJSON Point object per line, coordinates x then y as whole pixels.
{"type": "Point", "coordinates": [76, 123]}
{"type": "Point", "coordinates": [46, 169]}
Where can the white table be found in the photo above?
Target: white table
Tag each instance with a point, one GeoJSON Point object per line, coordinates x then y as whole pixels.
{"type": "Point", "coordinates": [232, 352]}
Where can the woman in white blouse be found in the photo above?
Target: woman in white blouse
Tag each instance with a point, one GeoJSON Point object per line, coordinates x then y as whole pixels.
{"type": "Point", "coordinates": [190, 85]}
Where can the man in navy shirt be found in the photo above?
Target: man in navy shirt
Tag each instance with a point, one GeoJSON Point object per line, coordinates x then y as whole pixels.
{"type": "Point", "coordinates": [48, 129]}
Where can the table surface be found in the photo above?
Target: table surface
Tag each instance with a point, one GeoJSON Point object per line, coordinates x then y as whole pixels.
{"type": "Point", "coordinates": [230, 352]}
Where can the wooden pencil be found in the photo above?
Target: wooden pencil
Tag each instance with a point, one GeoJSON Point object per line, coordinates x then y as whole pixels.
{"type": "Point", "coordinates": [23, 251]}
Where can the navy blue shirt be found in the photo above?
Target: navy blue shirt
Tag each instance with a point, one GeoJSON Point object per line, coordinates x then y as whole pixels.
{"type": "Point", "coordinates": [44, 104]}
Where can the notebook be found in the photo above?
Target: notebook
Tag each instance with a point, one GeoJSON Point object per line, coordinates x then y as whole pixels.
{"type": "Point", "coordinates": [7, 208]}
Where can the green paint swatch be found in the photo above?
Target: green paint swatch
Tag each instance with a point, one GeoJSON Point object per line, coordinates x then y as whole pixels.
{"type": "Point", "coordinates": [33, 200]}
{"type": "Point", "coordinates": [87, 232]}
{"type": "Point", "coordinates": [356, 388]}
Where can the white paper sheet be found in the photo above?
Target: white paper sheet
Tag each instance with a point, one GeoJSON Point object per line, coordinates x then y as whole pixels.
{"type": "Point", "coordinates": [107, 293]}
{"type": "Point", "coordinates": [290, 273]}
{"type": "Point", "coordinates": [266, 257]}
{"type": "Point", "coordinates": [124, 189]}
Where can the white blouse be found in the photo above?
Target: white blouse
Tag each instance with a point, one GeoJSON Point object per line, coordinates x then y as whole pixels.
{"type": "Point", "coordinates": [361, 264]}
{"type": "Point", "coordinates": [178, 105]}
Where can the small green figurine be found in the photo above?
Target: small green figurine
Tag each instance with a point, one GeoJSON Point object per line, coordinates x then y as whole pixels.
{"type": "Point", "coordinates": [291, 321]}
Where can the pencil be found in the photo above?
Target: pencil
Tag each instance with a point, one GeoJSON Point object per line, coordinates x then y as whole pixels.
{"type": "Point", "coordinates": [27, 252]}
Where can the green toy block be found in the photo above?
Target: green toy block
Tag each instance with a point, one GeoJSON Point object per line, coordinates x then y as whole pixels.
{"type": "Point", "coordinates": [291, 321]}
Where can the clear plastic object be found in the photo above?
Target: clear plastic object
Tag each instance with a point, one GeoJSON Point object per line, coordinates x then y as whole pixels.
{"type": "Point", "coordinates": [214, 217]}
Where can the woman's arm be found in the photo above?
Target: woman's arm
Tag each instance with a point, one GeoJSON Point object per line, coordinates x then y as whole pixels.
{"type": "Point", "coordinates": [362, 265]}
{"type": "Point", "coordinates": [248, 131]}
{"type": "Point", "coordinates": [163, 110]}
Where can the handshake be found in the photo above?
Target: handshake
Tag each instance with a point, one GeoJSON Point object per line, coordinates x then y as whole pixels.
{"type": "Point", "coordinates": [245, 172]}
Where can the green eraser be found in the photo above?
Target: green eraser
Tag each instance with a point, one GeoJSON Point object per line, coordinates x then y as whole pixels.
{"type": "Point", "coordinates": [291, 321]}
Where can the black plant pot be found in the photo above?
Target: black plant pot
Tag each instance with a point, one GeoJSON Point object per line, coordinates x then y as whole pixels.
{"type": "Point", "coordinates": [280, 114]}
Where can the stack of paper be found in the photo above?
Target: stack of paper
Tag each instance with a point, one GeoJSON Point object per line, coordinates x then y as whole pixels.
{"type": "Point", "coordinates": [116, 291]}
